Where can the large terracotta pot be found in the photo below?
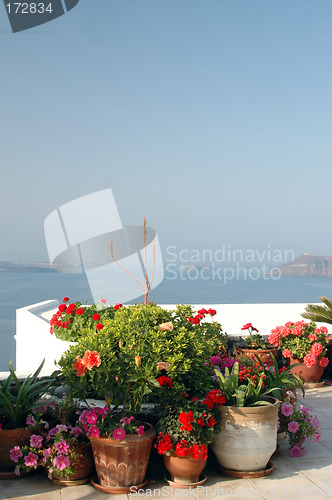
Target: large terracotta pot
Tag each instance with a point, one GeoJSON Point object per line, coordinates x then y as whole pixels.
{"type": "Point", "coordinates": [82, 465]}
{"type": "Point", "coordinates": [184, 470]}
{"type": "Point", "coordinates": [9, 439]}
{"type": "Point", "coordinates": [263, 354]}
{"type": "Point", "coordinates": [306, 374]}
{"type": "Point", "coordinates": [122, 463]}
{"type": "Point", "coordinates": [248, 437]}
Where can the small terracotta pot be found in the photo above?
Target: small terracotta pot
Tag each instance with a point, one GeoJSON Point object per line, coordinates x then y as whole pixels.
{"type": "Point", "coordinates": [9, 439]}
{"type": "Point", "coordinates": [263, 354]}
{"type": "Point", "coordinates": [306, 374]}
{"type": "Point", "coordinates": [184, 470]}
{"type": "Point", "coordinates": [83, 464]}
{"type": "Point", "coordinates": [122, 463]}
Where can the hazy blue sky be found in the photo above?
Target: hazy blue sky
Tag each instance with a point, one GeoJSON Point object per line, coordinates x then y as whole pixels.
{"type": "Point", "coordinates": [212, 118]}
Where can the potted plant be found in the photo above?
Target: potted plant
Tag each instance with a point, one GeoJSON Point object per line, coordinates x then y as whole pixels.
{"type": "Point", "coordinates": [249, 416]}
{"type": "Point", "coordinates": [17, 400]}
{"type": "Point", "coordinates": [300, 425]}
{"type": "Point", "coordinates": [256, 345]}
{"type": "Point", "coordinates": [121, 362]}
{"type": "Point", "coordinates": [62, 449]}
{"type": "Point", "coordinates": [305, 345]}
{"type": "Point", "coordinates": [186, 428]}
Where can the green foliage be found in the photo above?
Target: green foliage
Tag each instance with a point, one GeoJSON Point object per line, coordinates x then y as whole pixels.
{"type": "Point", "coordinates": [17, 399]}
{"type": "Point", "coordinates": [249, 393]}
{"type": "Point", "coordinates": [319, 313]}
{"type": "Point", "coordinates": [256, 342]}
{"type": "Point", "coordinates": [131, 344]}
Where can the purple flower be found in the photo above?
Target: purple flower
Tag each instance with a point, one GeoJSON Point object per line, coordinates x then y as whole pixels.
{"type": "Point", "coordinates": [36, 441]}
{"type": "Point", "coordinates": [76, 431]}
{"type": "Point", "coordinates": [61, 462]}
{"type": "Point", "coordinates": [293, 426]}
{"type": "Point", "coordinates": [30, 459]}
{"type": "Point", "coordinates": [287, 409]}
{"type": "Point", "coordinates": [31, 420]}
{"type": "Point", "coordinates": [119, 433]}
{"type": "Point", "coordinates": [15, 453]}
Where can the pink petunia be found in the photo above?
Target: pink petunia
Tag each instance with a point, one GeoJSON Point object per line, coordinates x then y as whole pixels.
{"type": "Point", "coordinates": [126, 421]}
{"type": "Point", "coordinates": [293, 426]}
{"type": "Point", "coordinates": [62, 447]}
{"type": "Point", "coordinates": [119, 433]}
{"type": "Point", "coordinates": [61, 462]}
{"type": "Point", "coordinates": [15, 453]}
{"type": "Point", "coordinates": [92, 418]}
{"type": "Point", "coordinates": [30, 420]}
{"type": "Point", "coordinates": [94, 431]}
{"type": "Point", "coordinates": [36, 441]}
{"type": "Point", "coordinates": [46, 454]}
{"type": "Point", "coordinates": [30, 459]}
{"type": "Point", "coordinates": [76, 431]}
{"type": "Point", "coordinates": [297, 451]}
{"type": "Point", "coordinates": [140, 430]}
{"type": "Point", "coordinates": [287, 409]}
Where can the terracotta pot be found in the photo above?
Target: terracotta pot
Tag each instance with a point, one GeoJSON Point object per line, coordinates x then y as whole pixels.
{"type": "Point", "coordinates": [184, 470]}
{"type": "Point", "coordinates": [248, 437]}
{"type": "Point", "coordinates": [306, 374]}
{"type": "Point", "coordinates": [263, 354]}
{"type": "Point", "coordinates": [122, 463]}
{"type": "Point", "coordinates": [82, 464]}
{"type": "Point", "coordinates": [9, 439]}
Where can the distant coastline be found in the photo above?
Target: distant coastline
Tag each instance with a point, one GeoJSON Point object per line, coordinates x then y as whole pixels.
{"type": "Point", "coordinates": [26, 267]}
{"type": "Point", "coordinates": [308, 265]}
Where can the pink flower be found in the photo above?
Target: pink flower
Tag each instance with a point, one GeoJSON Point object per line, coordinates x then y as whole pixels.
{"type": "Point", "coordinates": [293, 426]}
{"type": "Point", "coordinates": [76, 431]}
{"type": "Point", "coordinates": [30, 420]}
{"type": "Point", "coordinates": [30, 459]}
{"type": "Point", "coordinates": [317, 437]}
{"type": "Point", "coordinates": [36, 441]}
{"type": "Point", "coordinates": [126, 421]}
{"type": "Point", "coordinates": [15, 453]}
{"type": "Point", "coordinates": [94, 431]}
{"type": "Point", "coordinates": [46, 454]}
{"type": "Point", "coordinates": [316, 349]}
{"type": "Point", "coordinates": [103, 301]}
{"type": "Point", "coordinates": [92, 418]}
{"type": "Point", "coordinates": [61, 462]}
{"type": "Point", "coordinates": [297, 451]}
{"type": "Point", "coordinates": [310, 360]}
{"type": "Point", "coordinates": [62, 447]}
{"type": "Point", "coordinates": [323, 362]}
{"type": "Point", "coordinates": [274, 338]}
{"type": "Point", "coordinates": [119, 433]}
{"type": "Point", "coordinates": [312, 337]}
{"type": "Point", "coordinates": [140, 430]}
{"type": "Point", "coordinates": [287, 409]}
{"type": "Point", "coordinates": [286, 353]}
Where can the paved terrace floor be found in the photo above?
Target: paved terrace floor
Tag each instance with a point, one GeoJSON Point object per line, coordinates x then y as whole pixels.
{"type": "Point", "coordinates": [308, 477]}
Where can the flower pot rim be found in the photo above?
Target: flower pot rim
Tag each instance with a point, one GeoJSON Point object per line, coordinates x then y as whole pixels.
{"type": "Point", "coordinates": [251, 409]}
{"type": "Point", "coordinates": [263, 351]}
{"type": "Point", "coordinates": [129, 438]}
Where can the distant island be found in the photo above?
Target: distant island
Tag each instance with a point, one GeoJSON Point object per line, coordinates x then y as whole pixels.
{"type": "Point", "coordinates": [308, 265]}
{"type": "Point", "coordinates": [25, 267]}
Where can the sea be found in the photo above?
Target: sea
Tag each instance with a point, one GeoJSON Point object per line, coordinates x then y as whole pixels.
{"type": "Point", "coordinates": [20, 289]}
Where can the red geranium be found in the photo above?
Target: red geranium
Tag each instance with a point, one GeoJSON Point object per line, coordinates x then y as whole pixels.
{"type": "Point", "coordinates": [186, 420]}
{"type": "Point", "coordinates": [164, 381]}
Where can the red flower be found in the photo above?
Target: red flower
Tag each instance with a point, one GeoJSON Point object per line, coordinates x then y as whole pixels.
{"type": "Point", "coordinates": [163, 443]}
{"type": "Point", "coordinates": [202, 311]}
{"type": "Point", "coordinates": [211, 422]}
{"type": "Point", "coordinates": [212, 312]}
{"type": "Point", "coordinates": [182, 449]}
{"type": "Point", "coordinates": [65, 299]}
{"type": "Point", "coordinates": [71, 308]}
{"type": "Point", "coordinates": [62, 308]}
{"type": "Point", "coordinates": [91, 359]}
{"type": "Point", "coordinates": [199, 452]}
{"type": "Point", "coordinates": [117, 306]}
{"type": "Point", "coordinates": [80, 311]}
{"type": "Point", "coordinates": [164, 381]}
{"type": "Point", "coordinates": [96, 317]}
{"type": "Point", "coordinates": [186, 420]}
{"type": "Point", "coordinates": [201, 422]}
{"type": "Point", "coordinates": [99, 326]}
{"type": "Point", "coordinates": [214, 397]}
{"type": "Point", "coordinates": [80, 367]}
{"type": "Point", "coordinates": [103, 301]}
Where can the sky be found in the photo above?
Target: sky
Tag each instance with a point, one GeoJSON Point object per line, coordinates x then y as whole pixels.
{"type": "Point", "coordinates": [211, 118]}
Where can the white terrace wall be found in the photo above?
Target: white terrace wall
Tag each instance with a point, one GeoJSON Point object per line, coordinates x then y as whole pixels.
{"type": "Point", "coordinates": [34, 341]}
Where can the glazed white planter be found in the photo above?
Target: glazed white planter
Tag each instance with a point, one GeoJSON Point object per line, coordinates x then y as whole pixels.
{"type": "Point", "coordinates": [248, 437]}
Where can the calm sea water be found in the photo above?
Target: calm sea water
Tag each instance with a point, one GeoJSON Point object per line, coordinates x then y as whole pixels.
{"type": "Point", "coordinates": [19, 289]}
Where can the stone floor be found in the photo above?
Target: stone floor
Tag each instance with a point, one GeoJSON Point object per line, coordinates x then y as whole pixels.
{"type": "Point", "coordinates": [302, 478]}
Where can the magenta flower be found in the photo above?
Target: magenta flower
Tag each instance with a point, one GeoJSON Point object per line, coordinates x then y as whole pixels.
{"type": "Point", "coordinates": [126, 421]}
{"type": "Point", "coordinates": [76, 431]}
{"type": "Point", "coordinates": [15, 453]}
{"type": "Point", "coordinates": [36, 441]}
{"type": "Point", "coordinates": [61, 462]}
{"type": "Point", "coordinates": [293, 426]}
{"type": "Point", "coordinates": [119, 433]}
{"type": "Point", "coordinates": [62, 447]}
{"type": "Point", "coordinates": [91, 418]}
{"type": "Point", "coordinates": [46, 454]}
{"type": "Point", "coordinates": [287, 409]}
{"type": "Point", "coordinates": [30, 420]}
{"type": "Point", "coordinates": [30, 459]}
{"type": "Point", "coordinates": [94, 431]}
{"type": "Point", "coordinates": [140, 430]}
{"type": "Point", "coordinates": [297, 451]}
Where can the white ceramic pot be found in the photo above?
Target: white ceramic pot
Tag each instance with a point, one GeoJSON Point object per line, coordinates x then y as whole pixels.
{"type": "Point", "coordinates": [248, 437]}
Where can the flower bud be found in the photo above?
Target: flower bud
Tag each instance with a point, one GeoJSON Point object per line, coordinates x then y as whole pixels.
{"type": "Point", "coordinates": [120, 343]}
{"type": "Point", "coordinates": [138, 360]}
